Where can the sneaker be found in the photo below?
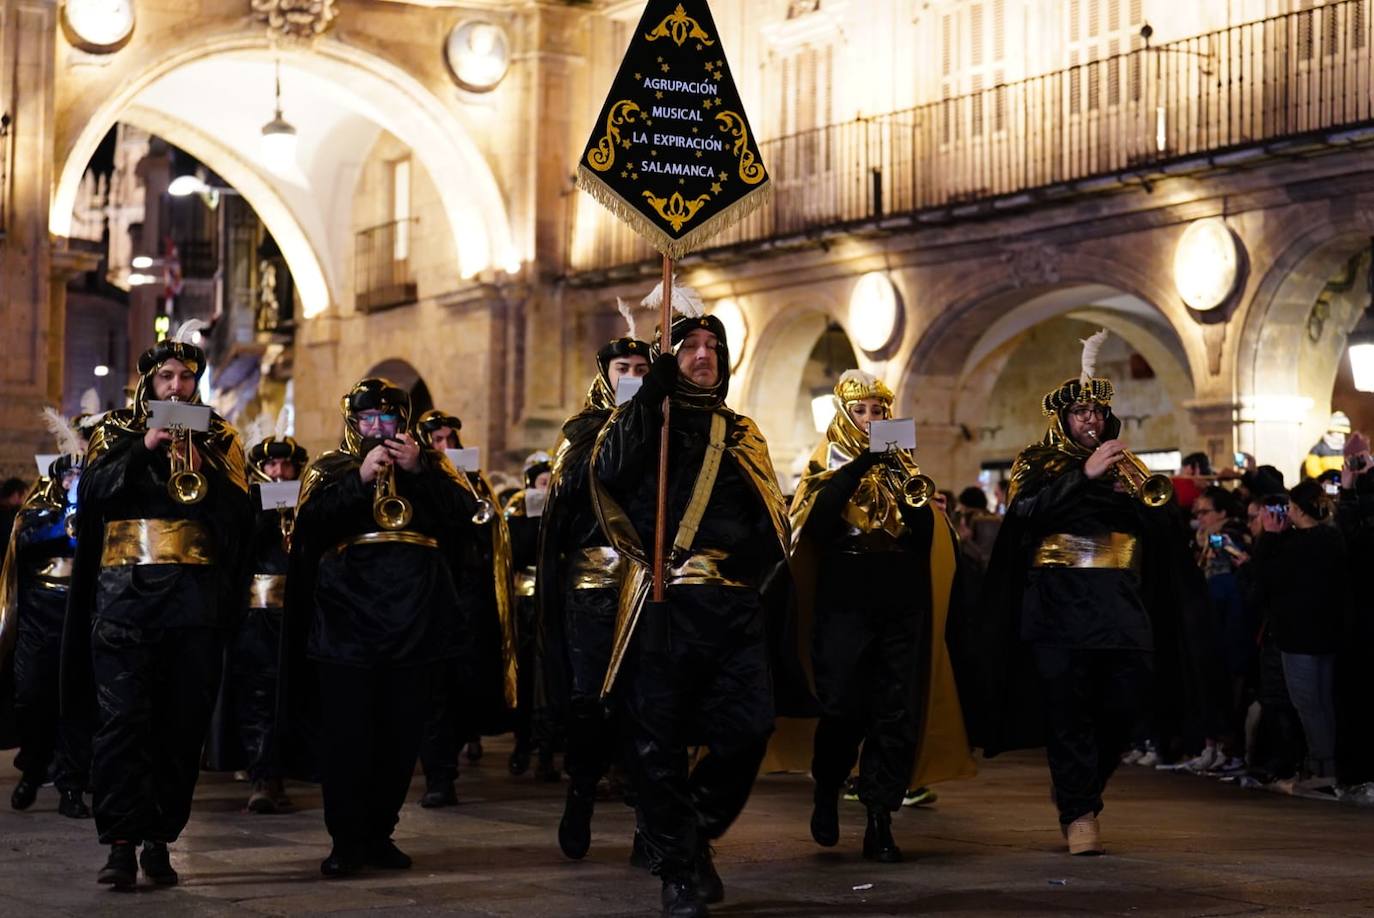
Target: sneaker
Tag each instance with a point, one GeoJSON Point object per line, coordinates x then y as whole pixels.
{"type": "Point", "coordinates": [1199, 763]}
{"type": "Point", "coordinates": [921, 796]}
{"type": "Point", "coordinates": [1149, 760]}
{"type": "Point", "coordinates": [1224, 765]}
{"type": "Point", "coordinates": [1133, 756]}
{"type": "Point", "coordinates": [261, 800]}
{"type": "Point", "coordinates": [1084, 836]}
{"type": "Point", "coordinates": [439, 794]}
{"type": "Point", "coordinates": [851, 790]}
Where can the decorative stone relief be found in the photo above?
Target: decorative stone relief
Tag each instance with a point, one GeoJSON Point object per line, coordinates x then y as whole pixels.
{"type": "Point", "coordinates": [299, 20]}
{"type": "Point", "coordinates": [1032, 264]}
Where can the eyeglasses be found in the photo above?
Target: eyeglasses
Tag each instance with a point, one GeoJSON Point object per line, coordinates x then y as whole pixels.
{"type": "Point", "coordinates": [1087, 411]}
{"type": "Point", "coordinates": [371, 419]}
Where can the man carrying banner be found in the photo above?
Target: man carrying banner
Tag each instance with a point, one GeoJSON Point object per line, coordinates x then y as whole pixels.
{"type": "Point", "coordinates": [696, 666]}
{"type": "Point", "coordinates": [159, 554]}
{"type": "Point", "coordinates": [579, 578]}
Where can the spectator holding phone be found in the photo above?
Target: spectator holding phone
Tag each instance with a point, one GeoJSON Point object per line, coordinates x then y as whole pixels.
{"type": "Point", "coordinates": [1302, 572]}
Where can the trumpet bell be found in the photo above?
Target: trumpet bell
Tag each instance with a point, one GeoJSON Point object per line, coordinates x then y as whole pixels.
{"type": "Point", "coordinates": [392, 512]}
{"type": "Point", "coordinates": [484, 514]}
{"type": "Point", "coordinates": [917, 491]}
{"type": "Point", "coordinates": [187, 487]}
{"type": "Point", "coordinates": [1156, 491]}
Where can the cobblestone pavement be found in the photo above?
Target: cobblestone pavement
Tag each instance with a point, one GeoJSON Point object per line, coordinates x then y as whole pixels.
{"type": "Point", "coordinates": [1178, 845]}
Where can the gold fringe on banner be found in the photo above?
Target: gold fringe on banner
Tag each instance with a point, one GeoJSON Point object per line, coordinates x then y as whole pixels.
{"type": "Point", "coordinates": [674, 248]}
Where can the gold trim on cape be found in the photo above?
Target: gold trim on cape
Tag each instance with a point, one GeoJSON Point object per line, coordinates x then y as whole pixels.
{"type": "Point", "coordinates": [136, 542]}
{"type": "Point", "coordinates": [596, 568]}
{"type": "Point", "coordinates": [525, 580]}
{"type": "Point", "coordinates": [395, 536]}
{"type": "Point", "coordinates": [702, 568]}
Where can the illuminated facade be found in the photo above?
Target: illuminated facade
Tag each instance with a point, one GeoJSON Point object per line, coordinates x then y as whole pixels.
{"type": "Point", "coordinates": [963, 188]}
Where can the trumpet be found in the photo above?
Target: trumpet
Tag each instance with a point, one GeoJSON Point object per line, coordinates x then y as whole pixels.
{"type": "Point", "coordinates": [286, 520]}
{"type": "Point", "coordinates": [389, 509]}
{"type": "Point", "coordinates": [485, 512]}
{"type": "Point", "coordinates": [1151, 489]}
{"type": "Point", "coordinates": [185, 485]}
{"type": "Point", "coordinates": [916, 490]}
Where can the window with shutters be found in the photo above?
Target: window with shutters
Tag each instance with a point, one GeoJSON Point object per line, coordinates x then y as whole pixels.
{"type": "Point", "coordinates": [1098, 32]}
{"type": "Point", "coordinates": [973, 52]}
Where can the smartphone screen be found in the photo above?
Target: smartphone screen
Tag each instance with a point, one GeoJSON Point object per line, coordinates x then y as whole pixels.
{"type": "Point", "coordinates": [1216, 541]}
{"type": "Point", "coordinates": [1239, 459]}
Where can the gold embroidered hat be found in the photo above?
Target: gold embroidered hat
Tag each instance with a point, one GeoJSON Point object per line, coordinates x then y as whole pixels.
{"type": "Point", "coordinates": [1087, 388]}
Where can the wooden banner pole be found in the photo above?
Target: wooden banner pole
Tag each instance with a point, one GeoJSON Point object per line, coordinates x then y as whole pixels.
{"type": "Point", "coordinates": [665, 346]}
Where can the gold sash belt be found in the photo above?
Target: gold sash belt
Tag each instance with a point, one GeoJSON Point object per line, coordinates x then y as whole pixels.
{"type": "Point", "coordinates": [1116, 550]}
{"type": "Point", "coordinates": [524, 582]}
{"type": "Point", "coordinates": [379, 538]}
{"type": "Point", "coordinates": [596, 569]}
{"type": "Point", "coordinates": [131, 542]}
{"type": "Point", "coordinates": [56, 572]}
{"type": "Point", "coordinates": [268, 591]}
{"type": "Point", "coordinates": [702, 568]}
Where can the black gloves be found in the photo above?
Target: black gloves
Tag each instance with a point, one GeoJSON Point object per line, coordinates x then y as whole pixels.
{"type": "Point", "coordinates": [865, 461]}
{"type": "Point", "coordinates": [661, 380]}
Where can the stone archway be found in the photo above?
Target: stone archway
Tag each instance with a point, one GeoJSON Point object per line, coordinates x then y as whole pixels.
{"type": "Point", "coordinates": [375, 91]}
{"type": "Point", "coordinates": [403, 374]}
{"type": "Point", "coordinates": [1290, 353]}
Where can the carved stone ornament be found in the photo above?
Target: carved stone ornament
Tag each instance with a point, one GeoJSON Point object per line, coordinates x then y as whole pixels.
{"type": "Point", "coordinates": [1032, 264]}
{"type": "Point", "coordinates": [296, 19]}
{"type": "Point", "coordinates": [798, 8]}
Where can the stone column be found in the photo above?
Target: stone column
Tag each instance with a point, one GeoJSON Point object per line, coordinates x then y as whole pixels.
{"type": "Point", "coordinates": [27, 47]}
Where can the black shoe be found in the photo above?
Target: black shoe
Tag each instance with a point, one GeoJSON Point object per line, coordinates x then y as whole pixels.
{"type": "Point", "coordinates": [473, 751]}
{"type": "Point", "coordinates": [156, 862]}
{"type": "Point", "coordinates": [709, 885]}
{"type": "Point", "coordinates": [681, 900]}
{"type": "Point", "coordinates": [386, 855]}
{"type": "Point", "coordinates": [878, 843]}
{"type": "Point", "coordinates": [341, 863]}
{"type": "Point", "coordinates": [519, 762]}
{"type": "Point", "coordinates": [261, 801]}
{"type": "Point", "coordinates": [639, 854]}
{"type": "Point", "coordinates": [73, 805]}
{"type": "Point", "coordinates": [25, 793]}
{"type": "Point", "coordinates": [575, 828]}
{"type": "Point", "coordinates": [121, 870]}
{"type": "Point", "coordinates": [438, 795]}
{"type": "Point", "coordinates": [546, 770]}
{"type": "Point", "coordinates": [825, 816]}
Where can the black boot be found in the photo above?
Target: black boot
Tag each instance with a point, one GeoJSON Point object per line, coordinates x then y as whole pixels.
{"type": "Point", "coordinates": [639, 854]}
{"type": "Point", "coordinates": [121, 869]}
{"type": "Point", "coordinates": [386, 855]}
{"type": "Point", "coordinates": [519, 762]}
{"type": "Point", "coordinates": [825, 816]}
{"type": "Point", "coordinates": [473, 751]}
{"type": "Point", "coordinates": [547, 770]}
{"type": "Point", "coordinates": [73, 805]}
{"type": "Point", "coordinates": [25, 793]}
{"type": "Point", "coordinates": [681, 900]}
{"type": "Point", "coordinates": [342, 862]}
{"type": "Point", "coordinates": [156, 862]}
{"type": "Point", "coordinates": [878, 843]}
{"type": "Point", "coordinates": [575, 828]}
{"type": "Point", "coordinates": [441, 793]}
{"type": "Point", "coordinates": [710, 887]}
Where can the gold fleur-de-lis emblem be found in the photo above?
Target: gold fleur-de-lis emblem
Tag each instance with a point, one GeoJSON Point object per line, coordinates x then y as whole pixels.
{"type": "Point", "coordinates": [676, 210]}
{"type": "Point", "coordinates": [678, 26]}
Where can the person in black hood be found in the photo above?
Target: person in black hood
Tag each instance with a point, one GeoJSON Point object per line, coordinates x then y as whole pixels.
{"type": "Point", "coordinates": [524, 516]}
{"type": "Point", "coordinates": [579, 589]}
{"type": "Point", "coordinates": [372, 602]}
{"type": "Point", "coordinates": [244, 724]}
{"type": "Point", "coordinates": [159, 553]}
{"type": "Point", "coordinates": [697, 668]}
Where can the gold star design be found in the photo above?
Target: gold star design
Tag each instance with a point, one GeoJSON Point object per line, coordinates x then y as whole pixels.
{"type": "Point", "coordinates": [694, 130]}
{"type": "Point", "coordinates": [724, 177]}
{"type": "Point", "coordinates": [635, 176]}
{"type": "Point", "coordinates": [715, 188]}
{"type": "Point", "coordinates": [624, 173]}
{"type": "Point", "coordinates": [653, 152]}
{"type": "Point", "coordinates": [698, 154]}
{"type": "Point", "coordinates": [682, 181]}
{"type": "Point", "coordinates": [625, 144]}
{"type": "Point", "coordinates": [639, 76]}
{"type": "Point", "coordinates": [665, 68]}
{"type": "Point", "coordinates": [660, 60]}
{"type": "Point", "coordinates": [698, 47]}
{"type": "Point", "coordinates": [658, 94]}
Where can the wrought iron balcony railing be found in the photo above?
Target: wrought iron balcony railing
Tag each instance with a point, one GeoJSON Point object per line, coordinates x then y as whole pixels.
{"type": "Point", "coordinates": [381, 266]}
{"type": "Point", "coordinates": [1306, 74]}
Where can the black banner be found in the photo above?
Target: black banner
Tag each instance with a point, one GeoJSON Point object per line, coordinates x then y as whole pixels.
{"type": "Point", "coordinates": [672, 153]}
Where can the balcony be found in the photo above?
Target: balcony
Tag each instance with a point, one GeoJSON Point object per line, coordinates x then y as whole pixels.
{"type": "Point", "coordinates": [382, 275]}
{"type": "Point", "coordinates": [1285, 84]}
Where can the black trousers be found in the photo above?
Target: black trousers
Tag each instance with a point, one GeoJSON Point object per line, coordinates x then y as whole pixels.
{"type": "Point", "coordinates": [592, 731]}
{"type": "Point", "coordinates": [440, 741]}
{"type": "Point", "coordinates": [869, 649]}
{"type": "Point", "coordinates": [698, 675]}
{"type": "Point", "coordinates": [155, 689]}
{"type": "Point", "coordinates": [1093, 700]}
{"type": "Point", "coordinates": [252, 677]}
{"type": "Point", "coordinates": [372, 723]}
{"type": "Point", "coordinates": [46, 739]}
{"type": "Point", "coordinates": [526, 640]}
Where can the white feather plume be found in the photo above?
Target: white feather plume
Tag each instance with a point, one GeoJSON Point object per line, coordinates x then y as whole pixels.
{"type": "Point", "coordinates": [1091, 346]}
{"type": "Point", "coordinates": [257, 430]}
{"type": "Point", "coordinates": [282, 429]}
{"type": "Point", "coordinates": [90, 402]}
{"type": "Point", "coordinates": [186, 331]}
{"type": "Point", "coordinates": [627, 311]}
{"type": "Point", "coordinates": [867, 380]}
{"type": "Point", "coordinates": [686, 301]}
{"type": "Point", "coordinates": [66, 439]}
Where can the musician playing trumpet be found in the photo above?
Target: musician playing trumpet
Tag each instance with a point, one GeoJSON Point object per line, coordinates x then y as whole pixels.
{"type": "Point", "coordinates": [373, 617]}
{"type": "Point", "coordinates": [152, 594]}
{"type": "Point", "coordinates": [1081, 580]}
{"type": "Point", "coordinates": [873, 563]}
